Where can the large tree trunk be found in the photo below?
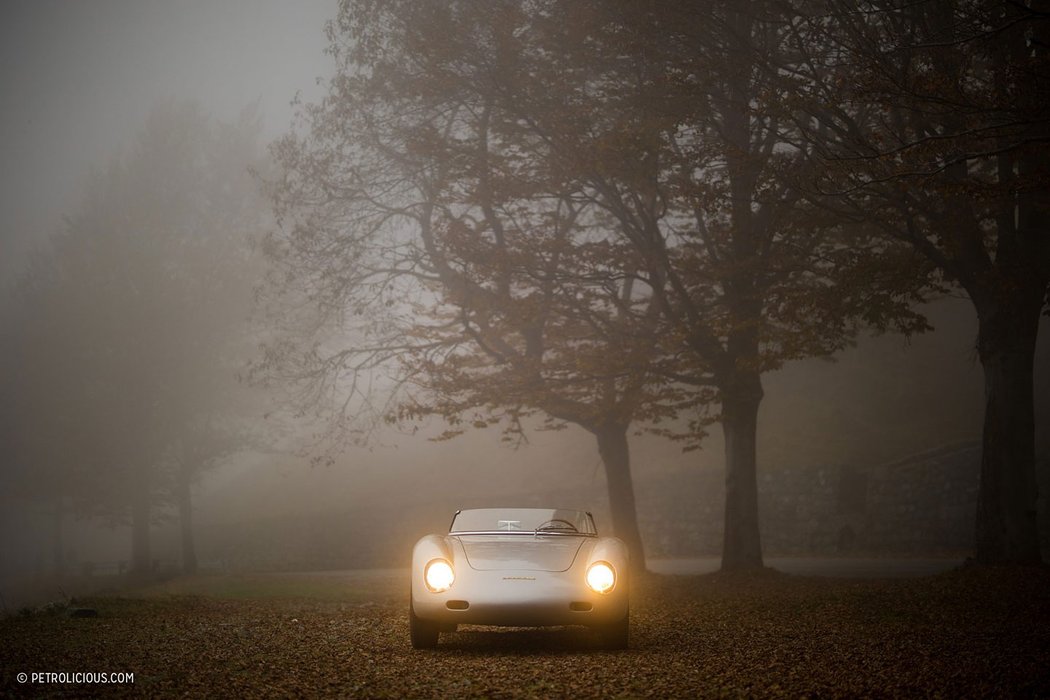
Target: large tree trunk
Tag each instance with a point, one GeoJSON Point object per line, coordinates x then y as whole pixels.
{"type": "Point", "coordinates": [184, 497]}
{"type": "Point", "coordinates": [1007, 529]}
{"type": "Point", "coordinates": [742, 542]}
{"type": "Point", "coordinates": [613, 448]}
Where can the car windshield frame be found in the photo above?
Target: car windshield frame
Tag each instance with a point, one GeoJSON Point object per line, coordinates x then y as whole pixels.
{"type": "Point", "coordinates": [523, 521]}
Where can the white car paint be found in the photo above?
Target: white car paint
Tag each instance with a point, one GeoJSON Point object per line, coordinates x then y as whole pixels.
{"type": "Point", "coordinates": [524, 568]}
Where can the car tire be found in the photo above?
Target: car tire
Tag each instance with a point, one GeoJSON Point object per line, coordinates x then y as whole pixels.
{"type": "Point", "coordinates": [424, 634]}
{"type": "Point", "coordinates": [614, 635]}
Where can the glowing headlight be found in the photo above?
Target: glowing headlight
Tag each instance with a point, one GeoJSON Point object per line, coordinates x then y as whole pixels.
{"type": "Point", "coordinates": [438, 575]}
{"type": "Point", "coordinates": [601, 577]}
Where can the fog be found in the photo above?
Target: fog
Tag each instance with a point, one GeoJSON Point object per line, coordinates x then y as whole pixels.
{"type": "Point", "coordinates": [80, 78]}
{"type": "Point", "coordinates": [84, 83]}
{"type": "Point", "coordinates": [79, 81]}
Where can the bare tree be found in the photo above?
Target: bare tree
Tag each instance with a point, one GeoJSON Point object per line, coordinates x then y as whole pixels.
{"type": "Point", "coordinates": [678, 134]}
{"type": "Point", "coordinates": [932, 124]}
{"type": "Point", "coordinates": [422, 218]}
{"type": "Point", "coordinates": [476, 151]}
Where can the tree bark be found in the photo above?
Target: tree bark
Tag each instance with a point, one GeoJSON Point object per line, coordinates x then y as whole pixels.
{"type": "Point", "coordinates": [185, 502]}
{"type": "Point", "coordinates": [742, 542]}
{"type": "Point", "coordinates": [1007, 527]}
{"type": "Point", "coordinates": [615, 454]}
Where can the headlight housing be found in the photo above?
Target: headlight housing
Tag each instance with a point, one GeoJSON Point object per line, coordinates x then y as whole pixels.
{"type": "Point", "coordinates": [438, 575]}
{"type": "Point", "coordinates": [601, 577]}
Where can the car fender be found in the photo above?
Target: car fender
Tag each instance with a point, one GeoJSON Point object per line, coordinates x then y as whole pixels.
{"type": "Point", "coordinates": [612, 550]}
{"type": "Point", "coordinates": [428, 548]}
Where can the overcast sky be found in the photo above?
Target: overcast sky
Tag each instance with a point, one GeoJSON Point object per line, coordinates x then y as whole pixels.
{"type": "Point", "coordinates": [78, 77]}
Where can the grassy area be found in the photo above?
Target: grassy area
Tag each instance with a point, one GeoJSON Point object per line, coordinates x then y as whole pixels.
{"type": "Point", "coordinates": [971, 633]}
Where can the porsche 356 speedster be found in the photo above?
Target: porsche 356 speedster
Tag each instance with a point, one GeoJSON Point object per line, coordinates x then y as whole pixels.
{"type": "Point", "coordinates": [519, 567]}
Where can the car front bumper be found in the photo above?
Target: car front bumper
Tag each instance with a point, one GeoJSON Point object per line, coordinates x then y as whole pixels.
{"type": "Point", "coordinates": [519, 599]}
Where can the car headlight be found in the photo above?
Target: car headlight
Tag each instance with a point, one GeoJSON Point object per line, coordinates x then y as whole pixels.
{"type": "Point", "coordinates": [438, 575]}
{"type": "Point", "coordinates": [601, 577]}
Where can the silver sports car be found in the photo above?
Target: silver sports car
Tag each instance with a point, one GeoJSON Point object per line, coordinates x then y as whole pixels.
{"type": "Point", "coordinates": [519, 567]}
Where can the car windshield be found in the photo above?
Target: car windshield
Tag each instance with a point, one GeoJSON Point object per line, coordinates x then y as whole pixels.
{"type": "Point", "coordinates": [524, 520]}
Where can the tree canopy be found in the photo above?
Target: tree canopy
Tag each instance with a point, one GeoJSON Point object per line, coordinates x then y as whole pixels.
{"type": "Point", "coordinates": [933, 125]}
{"type": "Point", "coordinates": [591, 210]}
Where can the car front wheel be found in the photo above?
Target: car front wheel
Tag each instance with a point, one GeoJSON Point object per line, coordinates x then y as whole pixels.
{"type": "Point", "coordinates": [614, 634]}
{"type": "Point", "coordinates": [424, 634]}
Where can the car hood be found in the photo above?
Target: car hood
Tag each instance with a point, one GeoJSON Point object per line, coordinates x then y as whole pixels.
{"type": "Point", "coordinates": [522, 553]}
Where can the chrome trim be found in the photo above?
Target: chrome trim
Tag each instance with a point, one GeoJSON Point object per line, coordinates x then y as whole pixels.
{"type": "Point", "coordinates": [530, 533]}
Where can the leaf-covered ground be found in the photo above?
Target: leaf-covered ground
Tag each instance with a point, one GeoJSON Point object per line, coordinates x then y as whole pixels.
{"type": "Point", "coordinates": [969, 633]}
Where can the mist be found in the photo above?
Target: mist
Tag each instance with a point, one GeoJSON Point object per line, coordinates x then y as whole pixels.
{"type": "Point", "coordinates": [132, 352]}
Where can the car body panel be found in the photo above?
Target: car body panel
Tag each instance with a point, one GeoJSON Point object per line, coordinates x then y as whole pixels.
{"type": "Point", "coordinates": [539, 553]}
{"type": "Point", "coordinates": [522, 578]}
